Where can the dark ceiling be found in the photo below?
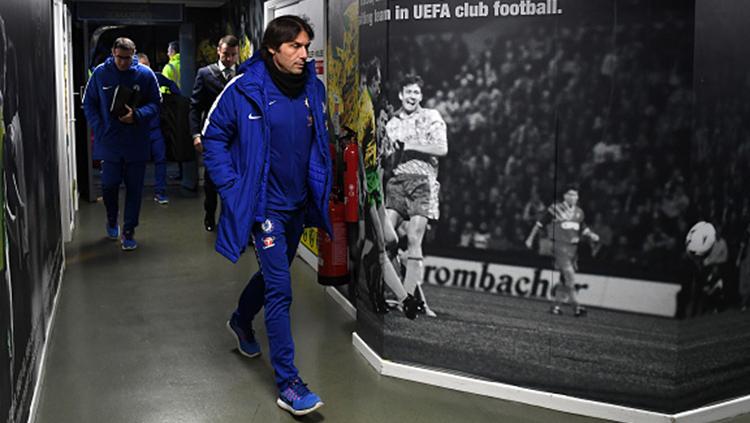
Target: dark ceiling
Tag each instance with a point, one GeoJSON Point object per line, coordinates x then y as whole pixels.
{"type": "Point", "coordinates": [188, 3]}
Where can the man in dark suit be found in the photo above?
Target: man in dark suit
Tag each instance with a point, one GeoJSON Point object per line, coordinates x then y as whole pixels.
{"type": "Point", "coordinates": [209, 82]}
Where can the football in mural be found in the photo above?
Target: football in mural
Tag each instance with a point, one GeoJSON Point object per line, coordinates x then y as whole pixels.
{"type": "Point", "coordinates": [700, 238]}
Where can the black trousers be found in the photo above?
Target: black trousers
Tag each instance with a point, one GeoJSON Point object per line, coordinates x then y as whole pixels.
{"type": "Point", "coordinates": [211, 200]}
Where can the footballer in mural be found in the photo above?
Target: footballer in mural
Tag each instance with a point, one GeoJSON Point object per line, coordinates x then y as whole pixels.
{"type": "Point", "coordinates": [567, 227]}
{"type": "Point", "coordinates": [415, 140]}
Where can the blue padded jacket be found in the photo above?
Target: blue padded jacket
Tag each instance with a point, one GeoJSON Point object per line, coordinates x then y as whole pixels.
{"type": "Point", "coordinates": [236, 150]}
{"type": "Point", "coordinates": [113, 140]}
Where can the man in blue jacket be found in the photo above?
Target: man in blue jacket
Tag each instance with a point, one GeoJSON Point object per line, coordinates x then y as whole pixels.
{"type": "Point", "coordinates": [121, 139]}
{"type": "Point", "coordinates": [158, 146]}
{"type": "Point", "coordinates": [266, 148]}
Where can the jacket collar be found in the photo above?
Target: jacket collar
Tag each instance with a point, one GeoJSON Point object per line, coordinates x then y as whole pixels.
{"type": "Point", "coordinates": [253, 72]}
{"type": "Point", "coordinates": [214, 69]}
{"type": "Point", "coordinates": [110, 63]}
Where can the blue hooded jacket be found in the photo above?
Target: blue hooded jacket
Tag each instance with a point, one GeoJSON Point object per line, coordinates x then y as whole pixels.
{"type": "Point", "coordinates": [113, 140]}
{"type": "Point", "coordinates": [236, 150]}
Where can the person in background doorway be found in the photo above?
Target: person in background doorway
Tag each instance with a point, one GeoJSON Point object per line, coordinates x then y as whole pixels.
{"type": "Point", "coordinates": [158, 148]}
{"type": "Point", "coordinates": [209, 82]}
{"type": "Point", "coordinates": [188, 174]}
{"type": "Point", "coordinates": [172, 68]}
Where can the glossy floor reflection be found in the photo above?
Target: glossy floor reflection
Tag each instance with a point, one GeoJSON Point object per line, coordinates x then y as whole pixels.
{"type": "Point", "coordinates": [139, 337]}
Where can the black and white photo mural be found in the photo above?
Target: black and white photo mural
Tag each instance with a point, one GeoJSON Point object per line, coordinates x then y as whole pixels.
{"type": "Point", "coordinates": [554, 193]}
{"type": "Point", "coordinates": [32, 237]}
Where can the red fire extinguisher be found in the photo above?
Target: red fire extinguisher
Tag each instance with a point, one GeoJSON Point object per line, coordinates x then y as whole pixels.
{"type": "Point", "coordinates": [333, 254]}
{"type": "Point", "coordinates": [351, 184]}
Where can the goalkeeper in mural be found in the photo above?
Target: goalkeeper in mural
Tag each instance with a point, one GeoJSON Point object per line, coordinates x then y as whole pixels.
{"type": "Point", "coordinates": [568, 227]}
{"type": "Point", "coordinates": [415, 138]}
{"type": "Point", "coordinates": [383, 269]}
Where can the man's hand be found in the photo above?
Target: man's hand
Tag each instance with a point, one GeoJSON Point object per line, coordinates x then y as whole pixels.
{"type": "Point", "coordinates": [529, 242]}
{"type": "Point", "coordinates": [592, 236]}
{"type": "Point", "coordinates": [128, 118]}
{"type": "Point", "coordinates": [197, 144]}
{"type": "Point", "coordinates": [398, 146]}
{"type": "Point", "coordinates": [388, 147]}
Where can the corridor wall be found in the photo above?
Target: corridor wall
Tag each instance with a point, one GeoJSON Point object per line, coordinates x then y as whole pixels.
{"type": "Point", "coordinates": [31, 240]}
{"type": "Point", "coordinates": [635, 103]}
{"type": "Point", "coordinates": [244, 18]}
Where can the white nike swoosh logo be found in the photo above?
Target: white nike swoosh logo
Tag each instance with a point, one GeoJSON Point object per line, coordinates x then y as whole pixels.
{"type": "Point", "coordinates": [106, 88]}
{"type": "Point", "coordinates": [271, 103]}
{"type": "Point", "coordinates": [252, 117]}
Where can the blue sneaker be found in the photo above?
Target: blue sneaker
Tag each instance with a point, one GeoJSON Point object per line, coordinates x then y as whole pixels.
{"type": "Point", "coordinates": [297, 399]}
{"type": "Point", "coordinates": [246, 345]}
{"type": "Point", "coordinates": [127, 243]}
{"type": "Point", "coordinates": [113, 232]}
{"type": "Point", "coordinates": [161, 198]}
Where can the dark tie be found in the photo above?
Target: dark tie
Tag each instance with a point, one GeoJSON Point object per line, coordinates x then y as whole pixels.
{"type": "Point", "coordinates": [228, 74]}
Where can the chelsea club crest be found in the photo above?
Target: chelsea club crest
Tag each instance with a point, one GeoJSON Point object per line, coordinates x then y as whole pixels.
{"type": "Point", "coordinates": [267, 226]}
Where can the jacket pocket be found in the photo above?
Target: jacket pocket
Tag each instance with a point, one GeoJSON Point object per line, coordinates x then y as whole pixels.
{"type": "Point", "coordinates": [229, 195]}
{"type": "Point", "coordinates": [317, 173]}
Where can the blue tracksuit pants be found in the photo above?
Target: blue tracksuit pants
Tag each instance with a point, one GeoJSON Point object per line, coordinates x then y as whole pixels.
{"type": "Point", "coordinates": [276, 242]}
{"type": "Point", "coordinates": [113, 174]}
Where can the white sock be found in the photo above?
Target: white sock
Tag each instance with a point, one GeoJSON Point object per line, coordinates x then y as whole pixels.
{"type": "Point", "coordinates": [414, 273]}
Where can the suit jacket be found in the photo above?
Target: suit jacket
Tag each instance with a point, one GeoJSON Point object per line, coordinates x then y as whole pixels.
{"type": "Point", "coordinates": [209, 82]}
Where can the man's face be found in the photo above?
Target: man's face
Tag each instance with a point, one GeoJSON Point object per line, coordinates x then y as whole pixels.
{"type": "Point", "coordinates": [228, 55]}
{"type": "Point", "coordinates": [170, 52]}
{"type": "Point", "coordinates": [571, 198]}
{"type": "Point", "coordinates": [374, 84]}
{"type": "Point", "coordinates": [291, 56]}
{"type": "Point", "coordinates": [123, 58]}
{"type": "Point", "coordinates": [410, 96]}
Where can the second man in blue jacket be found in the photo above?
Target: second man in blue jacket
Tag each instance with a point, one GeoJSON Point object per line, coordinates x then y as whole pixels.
{"type": "Point", "coordinates": [122, 141]}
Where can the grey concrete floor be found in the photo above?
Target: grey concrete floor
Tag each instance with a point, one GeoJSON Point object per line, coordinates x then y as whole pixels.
{"type": "Point", "coordinates": [139, 337]}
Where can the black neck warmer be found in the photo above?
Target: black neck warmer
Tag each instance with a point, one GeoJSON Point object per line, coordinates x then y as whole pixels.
{"type": "Point", "coordinates": [290, 84]}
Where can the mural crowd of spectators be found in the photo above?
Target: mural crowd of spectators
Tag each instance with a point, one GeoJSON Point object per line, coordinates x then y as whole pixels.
{"type": "Point", "coordinates": [608, 109]}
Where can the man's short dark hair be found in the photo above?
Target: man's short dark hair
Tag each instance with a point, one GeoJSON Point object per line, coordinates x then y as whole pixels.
{"type": "Point", "coordinates": [570, 187]}
{"type": "Point", "coordinates": [229, 40]}
{"type": "Point", "coordinates": [174, 45]}
{"type": "Point", "coordinates": [411, 79]}
{"type": "Point", "coordinates": [282, 30]}
{"type": "Point", "coordinates": [124, 44]}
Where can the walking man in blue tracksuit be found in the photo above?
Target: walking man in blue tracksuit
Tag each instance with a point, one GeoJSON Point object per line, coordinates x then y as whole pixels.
{"type": "Point", "coordinates": [266, 148]}
{"type": "Point", "coordinates": [158, 145]}
{"type": "Point", "coordinates": [121, 140]}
